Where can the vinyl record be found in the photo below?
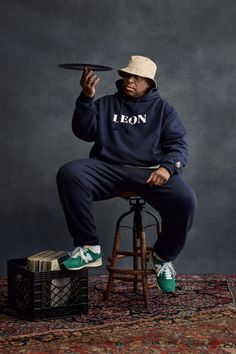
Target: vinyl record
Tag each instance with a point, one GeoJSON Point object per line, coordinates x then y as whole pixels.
{"type": "Point", "coordinates": [81, 67]}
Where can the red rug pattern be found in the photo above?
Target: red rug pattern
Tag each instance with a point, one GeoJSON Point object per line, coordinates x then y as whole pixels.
{"type": "Point", "coordinates": [200, 319]}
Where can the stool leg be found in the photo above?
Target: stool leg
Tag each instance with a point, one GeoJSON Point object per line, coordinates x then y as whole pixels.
{"type": "Point", "coordinates": [136, 247]}
{"type": "Point", "coordinates": [137, 231]}
{"type": "Point", "coordinates": [143, 247]}
{"type": "Point", "coordinates": [140, 252]}
{"type": "Point", "coordinates": [114, 259]}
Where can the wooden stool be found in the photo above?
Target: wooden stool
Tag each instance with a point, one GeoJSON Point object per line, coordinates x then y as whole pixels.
{"type": "Point", "coordinates": [140, 253]}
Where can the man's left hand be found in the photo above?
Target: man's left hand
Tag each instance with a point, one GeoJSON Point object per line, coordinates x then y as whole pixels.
{"type": "Point", "coordinates": [158, 177]}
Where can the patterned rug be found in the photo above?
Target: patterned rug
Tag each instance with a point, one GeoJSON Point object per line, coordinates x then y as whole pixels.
{"type": "Point", "coordinates": [200, 319]}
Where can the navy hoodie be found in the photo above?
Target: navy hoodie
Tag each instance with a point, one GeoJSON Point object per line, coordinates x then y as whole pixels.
{"type": "Point", "coordinates": [144, 131]}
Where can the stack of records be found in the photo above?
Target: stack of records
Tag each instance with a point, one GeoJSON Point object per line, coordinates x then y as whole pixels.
{"type": "Point", "coordinates": [59, 289]}
{"type": "Point", "coordinates": [45, 261]}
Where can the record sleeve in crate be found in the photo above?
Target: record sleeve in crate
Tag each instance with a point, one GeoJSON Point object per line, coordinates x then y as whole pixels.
{"type": "Point", "coordinates": [39, 295]}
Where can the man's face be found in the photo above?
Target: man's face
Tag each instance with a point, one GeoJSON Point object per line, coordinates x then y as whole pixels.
{"type": "Point", "coordinates": [135, 86]}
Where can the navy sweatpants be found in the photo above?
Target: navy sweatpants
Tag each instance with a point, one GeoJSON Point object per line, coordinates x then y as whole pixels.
{"type": "Point", "coordinates": [83, 181]}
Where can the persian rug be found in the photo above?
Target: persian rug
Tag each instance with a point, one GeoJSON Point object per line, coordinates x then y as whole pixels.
{"type": "Point", "coordinates": [200, 319]}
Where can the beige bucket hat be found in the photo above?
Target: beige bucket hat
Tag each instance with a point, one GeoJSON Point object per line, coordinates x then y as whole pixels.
{"type": "Point", "coordinates": [141, 66]}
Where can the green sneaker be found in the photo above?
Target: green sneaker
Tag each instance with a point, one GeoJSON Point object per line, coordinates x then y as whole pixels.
{"type": "Point", "coordinates": [82, 257]}
{"type": "Point", "coordinates": [165, 274]}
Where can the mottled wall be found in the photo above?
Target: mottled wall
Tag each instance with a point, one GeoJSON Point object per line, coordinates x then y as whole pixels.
{"type": "Point", "coordinates": [193, 42]}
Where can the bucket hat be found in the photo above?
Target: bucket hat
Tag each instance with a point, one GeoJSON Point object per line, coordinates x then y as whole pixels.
{"type": "Point", "coordinates": [141, 66]}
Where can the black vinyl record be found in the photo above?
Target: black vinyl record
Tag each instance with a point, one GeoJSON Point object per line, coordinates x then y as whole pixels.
{"type": "Point", "coordinates": [82, 67]}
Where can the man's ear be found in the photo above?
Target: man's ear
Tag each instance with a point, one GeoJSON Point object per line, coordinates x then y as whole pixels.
{"type": "Point", "coordinates": [149, 83]}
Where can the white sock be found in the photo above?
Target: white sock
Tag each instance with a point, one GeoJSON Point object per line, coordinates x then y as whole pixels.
{"type": "Point", "coordinates": [95, 249]}
{"type": "Point", "coordinates": [160, 259]}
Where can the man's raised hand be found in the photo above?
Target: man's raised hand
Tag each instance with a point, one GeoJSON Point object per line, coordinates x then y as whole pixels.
{"type": "Point", "coordinates": [88, 82]}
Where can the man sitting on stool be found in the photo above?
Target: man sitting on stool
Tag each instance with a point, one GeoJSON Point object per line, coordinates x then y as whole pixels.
{"type": "Point", "coordinates": [139, 145]}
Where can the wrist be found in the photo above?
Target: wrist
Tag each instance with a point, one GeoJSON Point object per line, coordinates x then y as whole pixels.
{"type": "Point", "coordinates": [87, 94]}
{"type": "Point", "coordinates": [169, 167]}
{"type": "Point", "coordinates": [84, 98]}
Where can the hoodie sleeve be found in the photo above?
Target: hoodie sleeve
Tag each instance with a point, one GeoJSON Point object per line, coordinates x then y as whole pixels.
{"type": "Point", "coordinates": [84, 121]}
{"type": "Point", "coordinates": [173, 142]}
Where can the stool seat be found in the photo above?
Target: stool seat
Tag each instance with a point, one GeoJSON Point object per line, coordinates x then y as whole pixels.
{"type": "Point", "coordinates": [140, 252]}
{"type": "Point", "coordinates": [127, 195]}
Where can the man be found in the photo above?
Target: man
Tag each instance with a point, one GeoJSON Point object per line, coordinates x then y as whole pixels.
{"type": "Point", "coordinates": [139, 145]}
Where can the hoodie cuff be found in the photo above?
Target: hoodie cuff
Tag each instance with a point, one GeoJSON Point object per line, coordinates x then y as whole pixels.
{"type": "Point", "coordinates": [169, 166]}
{"type": "Point", "coordinates": [84, 98]}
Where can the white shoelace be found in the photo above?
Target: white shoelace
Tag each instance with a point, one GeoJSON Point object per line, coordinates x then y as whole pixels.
{"type": "Point", "coordinates": [167, 269]}
{"type": "Point", "coordinates": [82, 253]}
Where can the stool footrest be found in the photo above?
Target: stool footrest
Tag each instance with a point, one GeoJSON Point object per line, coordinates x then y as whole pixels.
{"type": "Point", "coordinates": [129, 279]}
{"type": "Point", "coordinates": [129, 271]}
{"type": "Point", "coordinates": [118, 257]}
{"type": "Point", "coordinates": [130, 253]}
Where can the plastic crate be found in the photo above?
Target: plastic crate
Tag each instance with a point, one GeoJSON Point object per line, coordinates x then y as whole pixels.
{"type": "Point", "coordinates": [46, 295]}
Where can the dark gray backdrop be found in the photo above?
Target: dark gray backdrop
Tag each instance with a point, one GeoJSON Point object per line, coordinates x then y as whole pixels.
{"type": "Point", "coordinates": [193, 42]}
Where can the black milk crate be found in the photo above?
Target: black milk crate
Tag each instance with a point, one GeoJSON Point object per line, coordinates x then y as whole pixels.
{"type": "Point", "coordinates": [46, 295]}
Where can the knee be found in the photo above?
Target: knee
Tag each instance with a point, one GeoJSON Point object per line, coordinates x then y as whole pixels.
{"type": "Point", "coordinates": [188, 201]}
{"type": "Point", "coordinates": [65, 174]}
{"type": "Point", "coordinates": [71, 174]}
